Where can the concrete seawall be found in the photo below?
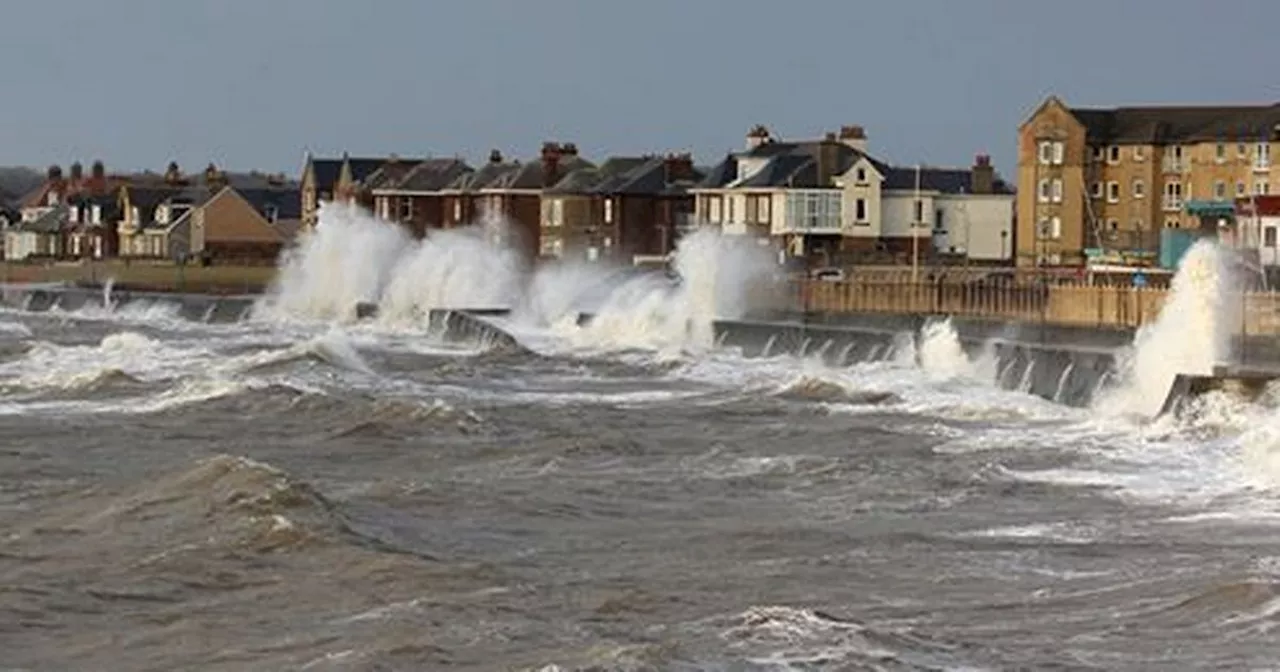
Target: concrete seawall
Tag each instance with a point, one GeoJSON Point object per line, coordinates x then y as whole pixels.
{"type": "Point", "coordinates": [195, 307]}
{"type": "Point", "coordinates": [451, 325]}
{"type": "Point", "coordinates": [1066, 368]}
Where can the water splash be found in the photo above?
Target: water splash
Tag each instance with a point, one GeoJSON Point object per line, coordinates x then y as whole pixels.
{"type": "Point", "coordinates": [1191, 334]}
{"type": "Point", "coordinates": [353, 258]}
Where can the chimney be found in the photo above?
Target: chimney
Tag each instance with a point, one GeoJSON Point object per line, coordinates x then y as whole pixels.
{"type": "Point", "coordinates": [551, 153]}
{"type": "Point", "coordinates": [54, 174]}
{"type": "Point", "coordinates": [172, 173]}
{"type": "Point", "coordinates": [678, 167]}
{"type": "Point", "coordinates": [984, 176]}
{"type": "Point", "coordinates": [212, 176]}
{"type": "Point", "coordinates": [828, 157]}
{"type": "Point", "coordinates": [569, 149]}
{"type": "Point", "coordinates": [77, 172]}
{"type": "Point", "coordinates": [495, 156]}
{"type": "Point", "coordinates": [855, 137]}
{"type": "Point", "coordinates": [758, 135]}
{"type": "Point", "coordinates": [98, 171]}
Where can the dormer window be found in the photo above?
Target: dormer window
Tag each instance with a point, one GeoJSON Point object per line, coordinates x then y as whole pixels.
{"type": "Point", "coordinates": [272, 213]}
{"type": "Point", "coordinates": [51, 199]}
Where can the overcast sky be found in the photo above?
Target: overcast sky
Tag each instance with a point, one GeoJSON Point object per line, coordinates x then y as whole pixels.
{"type": "Point", "coordinates": [257, 83]}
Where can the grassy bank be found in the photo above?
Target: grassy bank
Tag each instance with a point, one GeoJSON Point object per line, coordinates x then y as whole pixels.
{"type": "Point", "coordinates": [147, 276]}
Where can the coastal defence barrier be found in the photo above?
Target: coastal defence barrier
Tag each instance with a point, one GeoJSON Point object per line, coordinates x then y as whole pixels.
{"type": "Point", "coordinates": [1069, 367]}
{"type": "Point", "coordinates": [470, 326]}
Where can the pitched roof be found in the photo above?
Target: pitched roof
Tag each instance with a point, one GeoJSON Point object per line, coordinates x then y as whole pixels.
{"type": "Point", "coordinates": [390, 172]}
{"type": "Point", "coordinates": [52, 221]}
{"type": "Point", "coordinates": [1165, 125]}
{"type": "Point", "coordinates": [326, 172]}
{"type": "Point", "coordinates": [943, 180]}
{"type": "Point", "coordinates": [586, 178]}
{"type": "Point", "coordinates": [428, 175]}
{"type": "Point", "coordinates": [789, 164]}
{"type": "Point", "coordinates": [480, 179]}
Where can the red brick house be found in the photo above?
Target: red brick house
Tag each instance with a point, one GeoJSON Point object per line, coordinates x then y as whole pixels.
{"type": "Point", "coordinates": [415, 195]}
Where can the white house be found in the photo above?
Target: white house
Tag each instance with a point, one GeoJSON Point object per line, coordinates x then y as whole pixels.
{"type": "Point", "coordinates": [830, 195]}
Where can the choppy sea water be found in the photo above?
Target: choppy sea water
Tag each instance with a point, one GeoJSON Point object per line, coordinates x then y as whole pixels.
{"type": "Point", "coordinates": [303, 496]}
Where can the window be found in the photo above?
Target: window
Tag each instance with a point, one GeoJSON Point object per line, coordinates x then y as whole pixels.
{"type": "Point", "coordinates": [1240, 188]}
{"type": "Point", "coordinates": [406, 208]}
{"type": "Point", "coordinates": [556, 215]}
{"type": "Point", "coordinates": [766, 209]}
{"type": "Point", "coordinates": [384, 207]}
{"type": "Point", "coordinates": [1096, 190]}
{"type": "Point", "coordinates": [608, 210]}
{"type": "Point", "coordinates": [1139, 189]}
{"type": "Point", "coordinates": [1220, 153]}
{"type": "Point", "coordinates": [73, 214]}
{"type": "Point", "coordinates": [1172, 196]}
{"type": "Point", "coordinates": [1219, 189]}
{"type": "Point", "coordinates": [1261, 188]}
{"type": "Point", "coordinates": [271, 213]}
{"type": "Point", "coordinates": [1046, 152]}
{"type": "Point", "coordinates": [729, 217]}
{"type": "Point", "coordinates": [939, 223]}
{"type": "Point", "coordinates": [1043, 190]}
{"type": "Point", "coordinates": [1099, 154]}
{"type": "Point", "coordinates": [1113, 224]}
{"type": "Point", "coordinates": [713, 211]}
{"type": "Point", "coordinates": [96, 214]}
{"type": "Point", "coordinates": [1113, 154]}
{"type": "Point", "coordinates": [1262, 156]}
{"type": "Point", "coordinates": [861, 176]}
{"type": "Point", "coordinates": [1138, 154]}
{"type": "Point", "coordinates": [1057, 190]}
{"type": "Point", "coordinates": [814, 210]}
{"type": "Point", "coordinates": [1059, 153]}
{"type": "Point", "coordinates": [457, 210]}
{"type": "Point", "coordinates": [1269, 236]}
{"type": "Point", "coordinates": [1242, 151]}
{"type": "Point", "coordinates": [860, 210]}
{"type": "Point", "coordinates": [1055, 228]}
{"type": "Point", "coordinates": [1113, 192]}
{"type": "Point", "coordinates": [919, 213]}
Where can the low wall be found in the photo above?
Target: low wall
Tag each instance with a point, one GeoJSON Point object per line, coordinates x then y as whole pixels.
{"type": "Point", "coordinates": [205, 308]}
{"type": "Point", "coordinates": [473, 326]}
{"type": "Point", "coordinates": [1050, 365]}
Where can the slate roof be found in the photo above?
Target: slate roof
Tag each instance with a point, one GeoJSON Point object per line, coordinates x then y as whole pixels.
{"type": "Point", "coordinates": [531, 175]}
{"type": "Point", "coordinates": [326, 172]}
{"type": "Point", "coordinates": [651, 178]}
{"type": "Point", "coordinates": [1176, 124]}
{"type": "Point", "coordinates": [427, 175]}
{"type": "Point", "coordinates": [390, 173]}
{"type": "Point", "coordinates": [790, 164]}
{"type": "Point", "coordinates": [482, 178]}
{"type": "Point", "coordinates": [944, 180]}
{"type": "Point", "coordinates": [587, 178]}
{"type": "Point", "coordinates": [53, 221]}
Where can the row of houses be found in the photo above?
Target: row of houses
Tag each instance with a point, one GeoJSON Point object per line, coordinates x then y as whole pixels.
{"type": "Point", "coordinates": [172, 216]}
{"type": "Point", "coordinates": [822, 199]}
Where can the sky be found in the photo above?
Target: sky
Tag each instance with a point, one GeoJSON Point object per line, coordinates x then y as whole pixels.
{"type": "Point", "coordinates": [255, 84]}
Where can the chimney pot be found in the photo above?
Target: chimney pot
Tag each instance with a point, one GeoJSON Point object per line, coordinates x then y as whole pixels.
{"type": "Point", "coordinates": [495, 156]}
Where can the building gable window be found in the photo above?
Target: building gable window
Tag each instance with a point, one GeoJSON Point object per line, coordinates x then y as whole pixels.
{"type": "Point", "coordinates": [1139, 189]}
{"type": "Point", "coordinates": [860, 211]}
{"type": "Point", "coordinates": [1113, 192]}
{"type": "Point", "coordinates": [1113, 154]}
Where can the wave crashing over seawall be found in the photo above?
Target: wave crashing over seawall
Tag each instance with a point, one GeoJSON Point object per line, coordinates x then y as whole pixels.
{"type": "Point", "coordinates": [353, 258]}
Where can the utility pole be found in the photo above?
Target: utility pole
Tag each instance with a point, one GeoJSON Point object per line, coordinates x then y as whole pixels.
{"type": "Point", "coordinates": [917, 211]}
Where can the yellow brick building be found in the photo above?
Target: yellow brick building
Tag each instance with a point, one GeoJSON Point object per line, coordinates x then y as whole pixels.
{"type": "Point", "coordinates": [1111, 179]}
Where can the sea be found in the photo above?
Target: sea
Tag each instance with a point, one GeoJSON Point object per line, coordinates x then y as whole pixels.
{"type": "Point", "coordinates": [301, 490]}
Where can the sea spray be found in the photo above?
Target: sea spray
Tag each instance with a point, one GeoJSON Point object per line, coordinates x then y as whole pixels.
{"type": "Point", "coordinates": [1192, 333]}
{"type": "Point", "coordinates": [354, 258]}
{"type": "Point", "coordinates": [346, 260]}
{"type": "Point", "coordinates": [718, 276]}
{"type": "Point", "coordinates": [940, 352]}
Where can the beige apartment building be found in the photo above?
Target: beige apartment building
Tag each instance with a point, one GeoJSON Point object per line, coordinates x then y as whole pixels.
{"type": "Point", "coordinates": [1108, 180]}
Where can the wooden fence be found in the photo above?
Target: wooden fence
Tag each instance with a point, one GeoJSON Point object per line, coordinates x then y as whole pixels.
{"type": "Point", "coordinates": [1112, 307]}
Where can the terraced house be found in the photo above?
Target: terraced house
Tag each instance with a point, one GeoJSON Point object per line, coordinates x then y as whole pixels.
{"type": "Point", "coordinates": [831, 201]}
{"type": "Point", "coordinates": [1099, 182]}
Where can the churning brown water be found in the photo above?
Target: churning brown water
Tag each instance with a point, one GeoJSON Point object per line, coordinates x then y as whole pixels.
{"type": "Point", "coordinates": [255, 497]}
